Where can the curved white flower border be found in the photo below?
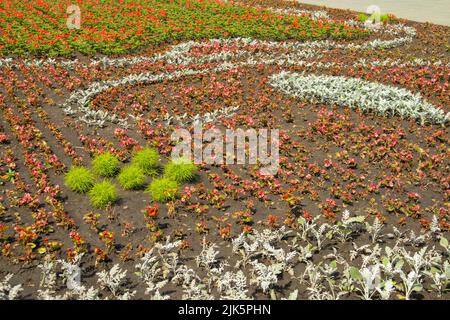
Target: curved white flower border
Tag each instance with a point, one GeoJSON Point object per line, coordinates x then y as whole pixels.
{"type": "Point", "coordinates": [302, 51]}
{"type": "Point", "coordinates": [179, 55]}
{"type": "Point", "coordinates": [358, 93]}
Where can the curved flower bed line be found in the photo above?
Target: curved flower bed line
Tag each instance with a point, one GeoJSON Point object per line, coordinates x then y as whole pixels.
{"type": "Point", "coordinates": [40, 63]}
{"type": "Point", "coordinates": [181, 55]}
{"type": "Point", "coordinates": [388, 62]}
{"type": "Point", "coordinates": [358, 93]}
{"type": "Point", "coordinates": [178, 53]}
{"type": "Point", "coordinates": [82, 97]}
{"type": "Point", "coordinates": [91, 117]}
{"type": "Point", "coordinates": [395, 30]}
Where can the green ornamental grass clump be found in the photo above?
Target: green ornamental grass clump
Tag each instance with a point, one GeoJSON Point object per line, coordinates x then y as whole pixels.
{"type": "Point", "coordinates": [106, 164]}
{"type": "Point", "coordinates": [384, 18]}
{"type": "Point", "coordinates": [180, 170]}
{"type": "Point", "coordinates": [147, 159]}
{"type": "Point", "coordinates": [131, 177]}
{"type": "Point", "coordinates": [79, 179]}
{"type": "Point", "coordinates": [103, 194]}
{"type": "Point", "coordinates": [163, 190]}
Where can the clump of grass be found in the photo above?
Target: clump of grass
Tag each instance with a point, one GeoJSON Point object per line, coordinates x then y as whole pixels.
{"type": "Point", "coordinates": [180, 170]}
{"type": "Point", "coordinates": [106, 164]}
{"type": "Point", "coordinates": [103, 194]}
{"type": "Point", "coordinates": [147, 159]}
{"type": "Point", "coordinates": [363, 17]}
{"type": "Point", "coordinates": [131, 177]}
{"type": "Point", "coordinates": [79, 179]}
{"type": "Point", "coordinates": [384, 18]}
{"type": "Point", "coordinates": [163, 190]}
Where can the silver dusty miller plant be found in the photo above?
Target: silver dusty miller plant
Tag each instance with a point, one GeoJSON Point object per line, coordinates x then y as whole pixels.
{"type": "Point", "coordinates": [8, 291]}
{"type": "Point", "coordinates": [372, 271]}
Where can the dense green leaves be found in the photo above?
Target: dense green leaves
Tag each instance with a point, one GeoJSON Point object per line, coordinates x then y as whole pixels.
{"type": "Point", "coordinates": [79, 179]}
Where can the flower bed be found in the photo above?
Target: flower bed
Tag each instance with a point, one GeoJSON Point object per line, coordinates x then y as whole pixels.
{"type": "Point", "coordinates": [117, 27]}
{"type": "Point", "coordinates": [359, 207]}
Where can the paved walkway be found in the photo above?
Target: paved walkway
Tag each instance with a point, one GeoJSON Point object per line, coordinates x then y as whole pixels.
{"type": "Point", "coordinates": [435, 11]}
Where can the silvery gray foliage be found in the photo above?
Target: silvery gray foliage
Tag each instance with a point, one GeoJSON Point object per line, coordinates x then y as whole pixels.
{"type": "Point", "coordinates": [39, 63]}
{"type": "Point", "coordinates": [410, 283]}
{"type": "Point", "coordinates": [208, 260]}
{"type": "Point", "coordinates": [71, 275]}
{"type": "Point", "coordinates": [304, 253]}
{"type": "Point", "coordinates": [114, 281]}
{"type": "Point", "coordinates": [372, 257]}
{"type": "Point", "coordinates": [233, 286]}
{"type": "Point", "coordinates": [373, 271]}
{"type": "Point", "coordinates": [156, 266]}
{"type": "Point", "coordinates": [402, 34]}
{"type": "Point", "coordinates": [386, 289]}
{"type": "Point", "coordinates": [369, 281]}
{"type": "Point", "coordinates": [148, 269]}
{"type": "Point", "coordinates": [196, 291]}
{"type": "Point", "coordinates": [375, 229]}
{"type": "Point", "coordinates": [153, 289]}
{"type": "Point", "coordinates": [346, 227]}
{"type": "Point", "coordinates": [259, 244]}
{"type": "Point", "coordinates": [392, 262]}
{"type": "Point", "coordinates": [184, 275]}
{"type": "Point", "coordinates": [314, 277]}
{"type": "Point", "coordinates": [281, 256]}
{"type": "Point", "coordinates": [311, 229]}
{"type": "Point", "coordinates": [72, 272]}
{"type": "Point", "coordinates": [8, 291]}
{"type": "Point", "coordinates": [421, 259]}
{"type": "Point", "coordinates": [319, 234]}
{"type": "Point", "coordinates": [358, 93]}
{"type": "Point", "coordinates": [48, 274]}
{"type": "Point", "coordinates": [418, 240]}
{"type": "Point", "coordinates": [434, 227]}
{"type": "Point", "coordinates": [80, 292]}
{"type": "Point", "coordinates": [440, 276]}
{"type": "Point", "coordinates": [265, 276]}
{"type": "Point", "coordinates": [306, 226]}
{"type": "Point", "coordinates": [208, 256]}
{"type": "Point", "coordinates": [388, 62]}
{"type": "Point", "coordinates": [312, 14]}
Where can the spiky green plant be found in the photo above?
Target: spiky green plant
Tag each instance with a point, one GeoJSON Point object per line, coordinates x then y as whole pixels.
{"type": "Point", "coordinates": [103, 194]}
{"type": "Point", "coordinates": [79, 179]}
{"type": "Point", "coordinates": [180, 170]}
{"type": "Point", "coordinates": [147, 159]}
{"type": "Point", "coordinates": [106, 164]}
{"type": "Point", "coordinates": [363, 17]}
{"type": "Point", "coordinates": [131, 177]}
{"type": "Point", "coordinates": [163, 190]}
{"type": "Point", "coordinates": [384, 18]}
